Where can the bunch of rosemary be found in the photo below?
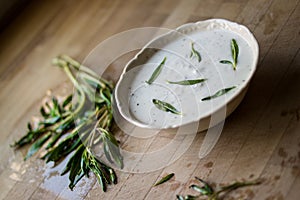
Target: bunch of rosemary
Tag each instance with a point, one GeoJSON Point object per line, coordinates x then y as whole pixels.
{"type": "Point", "coordinates": [60, 135]}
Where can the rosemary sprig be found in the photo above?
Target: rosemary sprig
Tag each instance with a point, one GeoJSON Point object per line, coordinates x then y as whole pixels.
{"type": "Point", "coordinates": [164, 106]}
{"type": "Point", "coordinates": [218, 93]}
{"type": "Point", "coordinates": [187, 82]}
{"type": "Point", "coordinates": [210, 193]}
{"type": "Point", "coordinates": [92, 127]}
{"type": "Point", "coordinates": [156, 72]}
{"type": "Point", "coordinates": [234, 53]}
{"type": "Point", "coordinates": [164, 179]}
{"type": "Point", "coordinates": [194, 52]}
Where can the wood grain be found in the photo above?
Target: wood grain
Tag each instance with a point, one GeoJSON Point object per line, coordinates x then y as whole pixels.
{"type": "Point", "coordinates": [259, 140]}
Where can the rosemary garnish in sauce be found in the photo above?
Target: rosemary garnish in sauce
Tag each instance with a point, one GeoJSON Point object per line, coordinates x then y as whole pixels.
{"type": "Point", "coordinates": [234, 53]}
{"type": "Point", "coordinates": [156, 72]}
{"type": "Point", "coordinates": [164, 106]}
{"type": "Point", "coordinates": [195, 52]}
{"type": "Point", "coordinates": [187, 82]}
{"type": "Point", "coordinates": [218, 93]}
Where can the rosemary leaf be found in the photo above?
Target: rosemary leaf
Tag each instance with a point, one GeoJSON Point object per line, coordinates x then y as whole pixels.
{"type": "Point", "coordinates": [179, 197]}
{"type": "Point", "coordinates": [156, 72]}
{"type": "Point", "coordinates": [164, 106]}
{"type": "Point", "coordinates": [164, 179]}
{"type": "Point", "coordinates": [67, 101]}
{"type": "Point", "coordinates": [201, 190]}
{"type": "Point", "coordinates": [115, 153]}
{"type": "Point", "coordinates": [234, 53]}
{"type": "Point", "coordinates": [207, 187]}
{"type": "Point", "coordinates": [31, 136]}
{"type": "Point", "coordinates": [113, 176]}
{"type": "Point", "coordinates": [44, 113]}
{"type": "Point", "coordinates": [54, 139]}
{"type": "Point", "coordinates": [218, 93]}
{"type": "Point", "coordinates": [29, 126]}
{"type": "Point", "coordinates": [106, 152]}
{"type": "Point", "coordinates": [226, 62]}
{"type": "Point", "coordinates": [50, 121]}
{"type": "Point", "coordinates": [68, 166]}
{"type": "Point", "coordinates": [75, 171]}
{"type": "Point", "coordinates": [195, 52]}
{"type": "Point", "coordinates": [77, 178]}
{"type": "Point", "coordinates": [85, 163]}
{"type": "Point", "coordinates": [187, 82]}
{"type": "Point", "coordinates": [37, 145]}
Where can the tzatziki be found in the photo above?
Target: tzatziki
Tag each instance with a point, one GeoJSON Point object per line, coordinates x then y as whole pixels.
{"type": "Point", "coordinates": [213, 44]}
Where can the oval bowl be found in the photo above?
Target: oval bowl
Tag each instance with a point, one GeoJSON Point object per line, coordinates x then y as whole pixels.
{"type": "Point", "coordinates": [212, 40]}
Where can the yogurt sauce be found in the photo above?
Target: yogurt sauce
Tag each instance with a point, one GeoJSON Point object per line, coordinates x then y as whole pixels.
{"type": "Point", "coordinates": [213, 46]}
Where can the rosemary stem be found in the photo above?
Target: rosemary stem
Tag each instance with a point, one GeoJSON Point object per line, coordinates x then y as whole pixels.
{"type": "Point", "coordinates": [79, 67]}
{"type": "Point", "coordinates": [93, 79]}
{"type": "Point", "coordinates": [81, 102]}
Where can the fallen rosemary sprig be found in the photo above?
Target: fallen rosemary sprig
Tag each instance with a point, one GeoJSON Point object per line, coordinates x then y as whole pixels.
{"type": "Point", "coordinates": [187, 82]}
{"type": "Point", "coordinates": [60, 136]}
{"type": "Point", "coordinates": [218, 93]}
{"type": "Point", "coordinates": [164, 106]}
{"type": "Point", "coordinates": [164, 179]}
{"type": "Point", "coordinates": [194, 52]}
{"type": "Point", "coordinates": [211, 194]}
{"type": "Point", "coordinates": [234, 53]}
{"type": "Point", "coordinates": [156, 72]}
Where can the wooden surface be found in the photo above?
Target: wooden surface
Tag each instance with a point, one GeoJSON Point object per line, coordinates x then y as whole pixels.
{"type": "Point", "coordinates": [261, 139]}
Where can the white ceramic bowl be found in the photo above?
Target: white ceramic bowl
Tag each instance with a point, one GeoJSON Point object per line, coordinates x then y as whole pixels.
{"type": "Point", "coordinates": [206, 35]}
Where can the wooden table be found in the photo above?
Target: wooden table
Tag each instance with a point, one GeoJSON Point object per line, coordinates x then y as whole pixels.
{"type": "Point", "coordinates": [261, 139]}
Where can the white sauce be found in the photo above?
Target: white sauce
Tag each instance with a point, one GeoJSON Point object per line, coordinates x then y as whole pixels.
{"type": "Point", "coordinates": [213, 46]}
